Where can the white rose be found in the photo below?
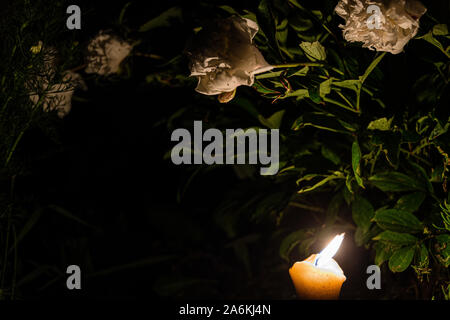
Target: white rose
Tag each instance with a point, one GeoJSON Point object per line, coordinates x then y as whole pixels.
{"type": "Point", "coordinates": [223, 57]}
{"type": "Point", "coordinates": [59, 96]}
{"type": "Point", "coordinates": [105, 53]}
{"type": "Point", "coordinates": [399, 22]}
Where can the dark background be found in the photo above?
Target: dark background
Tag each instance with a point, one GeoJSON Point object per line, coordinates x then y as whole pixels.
{"type": "Point", "coordinates": [145, 236]}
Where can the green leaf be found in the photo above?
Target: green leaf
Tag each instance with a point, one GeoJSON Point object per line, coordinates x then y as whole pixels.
{"type": "Point", "coordinates": [335, 175]}
{"type": "Point", "coordinates": [229, 9]}
{"type": "Point", "coordinates": [356, 159]}
{"type": "Point", "coordinates": [383, 251]}
{"type": "Point", "coordinates": [299, 94]}
{"type": "Point", "coordinates": [399, 221]}
{"type": "Point", "coordinates": [435, 42]}
{"type": "Point", "coordinates": [163, 20]}
{"type": "Point", "coordinates": [443, 249]}
{"type": "Point", "coordinates": [423, 258]}
{"type": "Point", "coordinates": [325, 88]}
{"type": "Point", "coordinates": [349, 84]}
{"type": "Point", "coordinates": [301, 73]}
{"type": "Point", "coordinates": [423, 177]}
{"type": "Point", "coordinates": [362, 212]}
{"type": "Point", "coordinates": [395, 182]}
{"type": "Point", "coordinates": [69, 215]}
{"type": "Point", "coordinates": [371, 67]}
{"type": "Point", "coordinates": [330, 155]}
{"type": "Point", "coordinates": [401, 259]}
{"type": "Point", "coordinates": [133, 265]}
{"type": "Point", "coordinates": [363, 236]}
{"type": "Point", "coordinates": [390, 142]}
{"type": "Point", "coordinates": [440, 30]}
{"type": "Point", "coordinates": [300, 24]}
{"type": "Point", "coordinates": [28, 226]}
{"type": "Point", "coordinates": [396, 238]}
{"type": "Point", "coordinates": [122, 12]}
{"type": "Point", "coordinates": [382, 124]}
{"type": "Point", "coordinates": [410, 202]}
{"type": "Point", "coordinates": [266, 23]}
{"type": "Point", "coordinates": [318, 120]}
{"type": "Point", "coordinates": [290, 242]}
{"type": "Point", "coordinates": [333, 208]}
{"type": "Point", "coordinates": [314, 94]}
{"type": "Point", "coordinates": [274, 121]}
{"type": "Point", "coordinates": [314, 50]}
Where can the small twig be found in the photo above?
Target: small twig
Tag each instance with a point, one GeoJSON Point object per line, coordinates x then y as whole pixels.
{"type": "Point", "coordinates": [148, 55]}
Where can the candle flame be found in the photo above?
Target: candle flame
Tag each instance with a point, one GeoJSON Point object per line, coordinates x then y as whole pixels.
{"type": "Point", "coordinates": [324, 257]}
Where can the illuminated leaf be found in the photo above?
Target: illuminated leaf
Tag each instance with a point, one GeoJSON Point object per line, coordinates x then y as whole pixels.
{"type": "Point", "coordinates": [397, 220]}
{"type": "Point", "coordinates": [396, 237]}
{"type": "Point", "coordinates": [401, 259]}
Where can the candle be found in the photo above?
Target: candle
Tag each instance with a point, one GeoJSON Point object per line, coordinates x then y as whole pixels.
{"type": "Point", "coordinates": [319, 277]}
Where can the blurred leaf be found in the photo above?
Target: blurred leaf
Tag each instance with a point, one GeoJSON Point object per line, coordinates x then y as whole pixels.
{"type": "Point", "coordinates": [362, 213]}
{"type": "Point", "coordinates": [399, 221]}
{"type": "Point", "coordinates": [333, 208]}
{"type": "Point", "coordinates": [246, 105]}
{"type": "Point", "coordinates": [290, 242]}
{"type": "Point", "coordinates": [440, 30]}
{"type": "Point", "coordinates": [443, 249]}
{"type": "Point", "coordinates": [172, 287]}
{"type": "Point", "coordinates": [410, 202]}
{"type": "Point", "coordinates": [382, 124]}
{"type": "Point", "coordinates": [363, 236]}
{"type": "Point", "coordinates": [67, 214]}
{"type": "Point", "coordinates": [383, 252]}
{"type": "Point", "coordinates": [330, 155]}
{"type": "Point", "coordinates": [133, 265]}
{"type": "Point", "coordinates": [229, 9]}
{"type": "Point", "coordinates": [396, 238]}
{"type": "Point", "coordinates": [435, 42]}
{"type": "Point", "coordinates": [423, 177]}
{"type": "Point", "coordinates": [266, 23]}
{"type": "Point", "coordinates": [281, 35]}
{"type": "Point", "coordinates": [423, 255]}
{"type": "Point", "coordinates": [390, 142]}
{"type": "Point", "coordinates": [300, 24]}
{"type": "Point", "coordinates": [122, 12]}
{"type": "Point", "coordinates": [395, 182]}
{"type": "Point", "coordinates": [356, 159]}
{"type": "Point", "coordinates": [274, 121]}
{"type": "Point", "coordinates": [401, 259]}
{"type": "Point", "coordinates": [28, 226]}
{"type": "Point", "coordinates": [163, 20]}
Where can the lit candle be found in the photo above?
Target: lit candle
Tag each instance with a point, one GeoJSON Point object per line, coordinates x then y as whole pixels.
{"type": "Point", "coordinates": [319, 277]}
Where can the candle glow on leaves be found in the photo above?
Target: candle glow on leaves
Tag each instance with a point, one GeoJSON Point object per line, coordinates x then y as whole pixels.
{"type": "Point", "coordinates": [325, 256]}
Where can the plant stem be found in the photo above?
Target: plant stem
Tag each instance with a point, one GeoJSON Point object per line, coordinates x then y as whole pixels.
{"type": "Point", "coordinates": [363, 78]}
{"type": "Point", "coordinates": [340, 104]}
{"type": "Point", "coordinates": [298, 64]}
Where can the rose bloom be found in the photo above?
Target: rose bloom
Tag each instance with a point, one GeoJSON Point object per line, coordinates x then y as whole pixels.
{"type": "Point", "coordinates": [105, 53]}
{"type": "Point", "coordinates": [399, 22]}
{"type": "Point", "coordinates": [59, 96]}
{"type": "Point", "coordinates": [223, 56]}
